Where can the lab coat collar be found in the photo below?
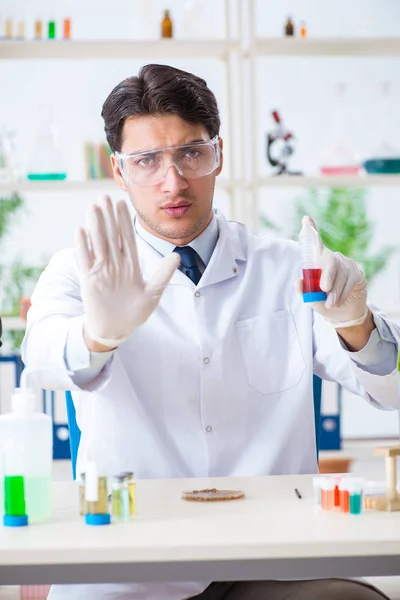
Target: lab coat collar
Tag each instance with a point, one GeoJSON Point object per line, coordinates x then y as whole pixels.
{"type": "Point", "coordinates": [222, 265]}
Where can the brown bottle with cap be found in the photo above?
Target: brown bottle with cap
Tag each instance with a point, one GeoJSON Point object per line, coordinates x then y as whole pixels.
{"type": "Point", "coordinates": [289, 27]}
{"type": "Point", "coordinates": [166, 25]}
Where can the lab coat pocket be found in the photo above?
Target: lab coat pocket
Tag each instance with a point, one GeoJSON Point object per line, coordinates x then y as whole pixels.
{"type": "Point", "coordinates": [271, 352]}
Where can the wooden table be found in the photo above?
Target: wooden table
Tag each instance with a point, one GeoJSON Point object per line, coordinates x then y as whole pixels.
{"type": "Point", "coordinates": [270, 534]}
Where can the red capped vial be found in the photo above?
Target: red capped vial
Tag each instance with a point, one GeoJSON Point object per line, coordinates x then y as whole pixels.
{"type": "Point", "coordinates": [311, 253]}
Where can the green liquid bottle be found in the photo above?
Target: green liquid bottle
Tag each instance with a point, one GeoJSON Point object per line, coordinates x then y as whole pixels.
{"type": "Point", "coordinates": [14, 495]}
{"type": "Point", "coordinates": [51, 30]}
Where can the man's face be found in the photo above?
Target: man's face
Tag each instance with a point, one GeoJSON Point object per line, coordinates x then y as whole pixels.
{"type": "Point", "coordinates": [154, 205]}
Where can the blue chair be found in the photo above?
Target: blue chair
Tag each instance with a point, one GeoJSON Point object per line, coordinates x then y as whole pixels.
{"type": "Point", "coordinates": [75, 432]}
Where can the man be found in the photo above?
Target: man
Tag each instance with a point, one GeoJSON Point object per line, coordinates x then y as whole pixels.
{"type": "Point", "coordinates": [205, 370]}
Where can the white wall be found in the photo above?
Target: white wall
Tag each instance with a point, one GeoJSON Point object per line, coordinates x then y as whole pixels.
{"type": "Point", "coordinates": [301, 88]}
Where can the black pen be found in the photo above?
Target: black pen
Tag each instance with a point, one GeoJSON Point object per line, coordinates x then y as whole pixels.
{"type": "Point", "coordinates": [298, 493]}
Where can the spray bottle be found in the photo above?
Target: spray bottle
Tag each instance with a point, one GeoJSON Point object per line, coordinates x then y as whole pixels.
{"type": "Point", "coordinates": [26, 440]}
{"type": "Point", "coordinates": [311, 252]}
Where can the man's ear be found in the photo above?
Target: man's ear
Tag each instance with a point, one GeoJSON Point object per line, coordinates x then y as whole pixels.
{"type": "Point", "coordinates": [117, 173]}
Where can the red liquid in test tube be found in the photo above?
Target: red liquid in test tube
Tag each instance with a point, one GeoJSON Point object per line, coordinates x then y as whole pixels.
{"type": "Point", "coordinates": [311, 250]}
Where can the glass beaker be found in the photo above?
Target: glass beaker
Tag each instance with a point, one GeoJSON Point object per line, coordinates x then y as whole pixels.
{"type": "Point", "coordinates": [46, 161]}
{"type": "Point", "coordinates": [340, 158]}
{"type": "Point", "coordinates": [8, 163]}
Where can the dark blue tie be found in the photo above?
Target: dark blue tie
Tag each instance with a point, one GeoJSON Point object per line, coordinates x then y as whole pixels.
{"type": "Point", "coordinates": [189, 258]}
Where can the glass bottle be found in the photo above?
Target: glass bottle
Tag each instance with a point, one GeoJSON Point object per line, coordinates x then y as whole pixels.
{"type": "Point", "coordinates": [289, 27]}
{"type": "Point", "coordinates": [166, 25]}
{"type": "Point", "coordinates": [38, 29]}
{"type": "Point", "coordinates": [303, 29]}
{"type": "Point", "coordinates": [8, 28]}
{"type": "Point", "coordinates": [340, 158]}
{"type": "Point", "coordinates": [120, 498]}
{"type": "Point", "coordinates": [99, 506]}
{"type": "Point", "coordinates": [130, 482]}
{"type": "Point", "coordinates": [47, 160]}
{"type": "Point", "coordinates": [51, 29]}
{"type": "Point", "coordinates": [67, 29]}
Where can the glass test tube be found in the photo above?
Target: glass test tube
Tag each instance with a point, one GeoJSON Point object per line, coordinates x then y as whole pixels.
{"type": "Point", "coordinates": [355, 487]}
{"type": "Point", "coordinates": [311, 253]}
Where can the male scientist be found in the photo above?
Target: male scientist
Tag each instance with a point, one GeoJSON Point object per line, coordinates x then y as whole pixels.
{"type": "Point", "coordinates": [188, 348]}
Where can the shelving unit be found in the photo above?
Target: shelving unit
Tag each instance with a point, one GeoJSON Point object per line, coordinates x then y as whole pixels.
{"type": "Point", "coordinates": [285, 47]}
{"type": "Point", "coordinates": [357, 46]}
{"type": "Point", "coordinates": [226, 49]}
{"type": "Point", "coordinates": [115, 49]}
{"type": "Point", "coordinates": [361, 181]}
{"type": "Point", "coordinates": [239, 53]}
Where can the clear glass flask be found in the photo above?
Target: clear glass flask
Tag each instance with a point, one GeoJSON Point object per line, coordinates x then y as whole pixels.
{"type": "Point", "coordinates": [46, 159]}
{"type": "Point", "coordinates": [340, 157]}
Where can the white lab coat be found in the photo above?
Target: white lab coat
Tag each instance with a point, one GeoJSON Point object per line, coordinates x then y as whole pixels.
{"type": "Point", "coordinates": [218, 382]}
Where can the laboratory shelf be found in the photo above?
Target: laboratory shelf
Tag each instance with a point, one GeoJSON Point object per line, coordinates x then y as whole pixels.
{"type": "Point", "coordinates": [352, 46]}
{"type": "Point", "coordinates": [89, 185]}
{"type": "Point", "coordinates": [335, 181]}
{"type": "Point", "coordinates": [115, 49]}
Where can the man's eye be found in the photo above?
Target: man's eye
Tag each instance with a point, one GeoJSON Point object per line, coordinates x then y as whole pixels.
{"type": "Point", "coordinates": [147, 161]}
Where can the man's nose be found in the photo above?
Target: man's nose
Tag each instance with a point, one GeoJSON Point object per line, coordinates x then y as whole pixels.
{"type": "Point", "coordinates": [174, 182]}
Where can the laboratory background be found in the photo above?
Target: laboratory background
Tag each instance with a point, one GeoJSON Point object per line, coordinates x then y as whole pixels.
{"type": "Point", "coordinates": [309, 94]}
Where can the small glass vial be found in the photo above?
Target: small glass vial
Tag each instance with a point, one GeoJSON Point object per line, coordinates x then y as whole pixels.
{"type": "Point", "coordinates": [96, 495]}
{"type": "Point", "coordinates": [289, 27]}
{"type": "Point", "coordinates": [38, 29]}
{"type": "Point", "coordinates": [166, 25]}
{"type": "Point", "coordinates": [51, 29]}
{"type": "Point", "coordinates": [355, 488]}
{"type": "Point", "coordinates": [317, 489]}
{"type": "Point", "coordinates": [67, 29]}
{"type": "Point", "coordinates": [120, 498]}
{"type": "Point", "coordinates": [344, 497]}
{"type": "Point", "coordinates": [130, 481]}
{"type": "Point", "coordinates": [82, 495]}
{"type": "Point", "coordinates": [327, 493]}
{"type": "Point", "coordinates": [8, 28]}
{"type": "Point", "coordinates": [303, 29]}
{"type": "Point", "coordinates": [311, 252]}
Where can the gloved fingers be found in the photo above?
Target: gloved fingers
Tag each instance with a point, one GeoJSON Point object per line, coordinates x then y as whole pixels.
{"type": "Point", "coordinates": [127, 236]}
{"type": "Point", "coordinates": [112, 230]}
{"type": "Point", "coordinates": [84, 251]}
{"type": "Point", "coordinates": [161, 278]}
{"type": "Point", "coordinates": [329, 270]}
{"type": "Point", "coordinates": [338, 284]}
{"type": "Point", "coordinates": [98, 233]}
{"type": "Point", "coordinates": [346, 291]}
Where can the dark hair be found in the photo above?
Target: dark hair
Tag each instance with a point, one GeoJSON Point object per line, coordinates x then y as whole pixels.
{"type": "Point", "coordinates": [159, 90]}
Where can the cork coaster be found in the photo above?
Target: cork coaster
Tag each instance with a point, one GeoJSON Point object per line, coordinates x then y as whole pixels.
{"type": "Point", "coordinates": [212, 495]}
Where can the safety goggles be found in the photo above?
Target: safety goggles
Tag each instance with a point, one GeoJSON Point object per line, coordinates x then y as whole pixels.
{"type": "Point", "coordinates": [150, 167]}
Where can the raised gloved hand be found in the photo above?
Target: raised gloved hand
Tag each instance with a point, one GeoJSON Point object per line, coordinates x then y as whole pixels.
{"type": "Point", "coordinates": [345, 285]}
{"type": "Point", "coordinates": [115, 297]}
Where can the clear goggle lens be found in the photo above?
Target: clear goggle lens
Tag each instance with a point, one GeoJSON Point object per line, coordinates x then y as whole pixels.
{"type": "Point", "coordinates": [191, 161]}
